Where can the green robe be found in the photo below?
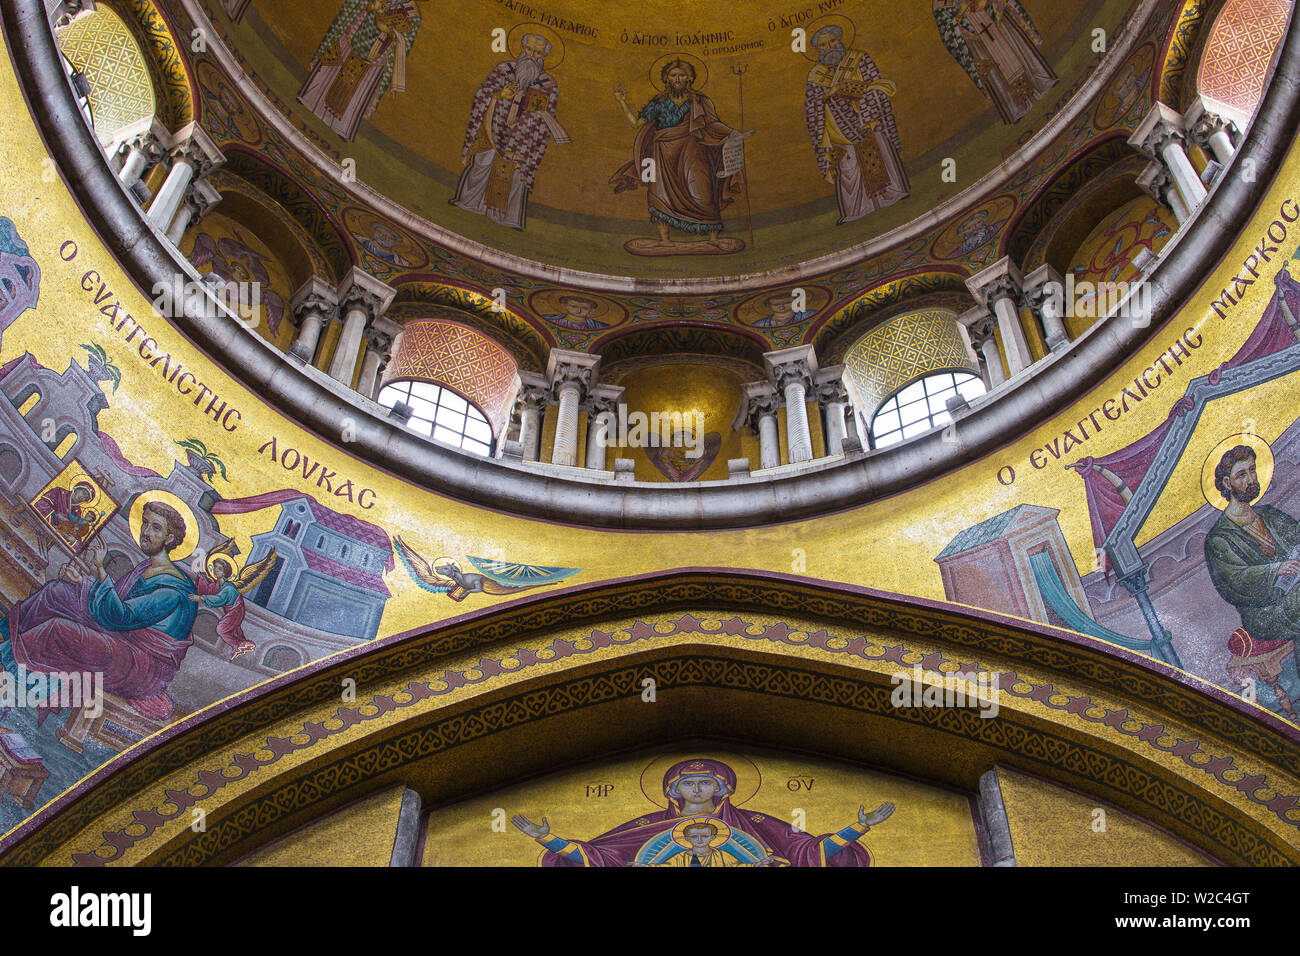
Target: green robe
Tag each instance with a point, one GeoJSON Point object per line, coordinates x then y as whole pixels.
{"type": "Point", "coordinates": [1246, 576]}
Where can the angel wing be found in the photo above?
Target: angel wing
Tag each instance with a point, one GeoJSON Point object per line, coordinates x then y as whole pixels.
{"type": "Point", "coordinates": [946, 16]}
{"type": "Point", "coordinates": [252, 574]}
{"type": "Point", "coordinates": [517, 577]}
{"type": "Point", "coordinates": [205, 253]}
{"type": "Point", "coordinates": [419, 570]}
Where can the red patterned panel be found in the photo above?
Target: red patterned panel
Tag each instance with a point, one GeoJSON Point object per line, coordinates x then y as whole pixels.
{"type": "Point", "coordinates": [466, 361]}
{"type": "Point", "coordinates": [1241, 45]}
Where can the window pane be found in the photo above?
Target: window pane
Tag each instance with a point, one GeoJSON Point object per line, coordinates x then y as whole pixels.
{"type": "Point", "coordinates": [939, 403]}
{"type": "Point", "coordinates": [938, 383]}
{"type": "Point", "coordinates": [478, 429]}
{"type": "Point", "coordinates": [890, 439]}
{"type": "Point", "coordinates": [453, 401]}
{"type": "Point", "coordinates": [447, 435]}
{"type": "Point", "coordinates": [450, 418]}
{"type": "Point", "coordinates": [919, 428]}
{"type": "Point", "coordinates": [911, 393]}
{"type": "Point", "coordinates": [420, 426]}
{"type": "Point", "coordinates": [914, 412]}
{"type": "Point", "coordinates": [972, 387]}
{"type": "Point", "coordinates": [887, 422]}
{"type": "Point", "coordinates": [423, 407]}
{"type": "Point", "coordinates": [389, 396]}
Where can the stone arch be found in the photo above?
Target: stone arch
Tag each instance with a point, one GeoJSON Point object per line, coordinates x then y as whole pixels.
{"type": "Point", "coordinates": [763, 658]}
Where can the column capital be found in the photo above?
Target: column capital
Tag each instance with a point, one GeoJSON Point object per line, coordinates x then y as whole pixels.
{"type": "Point", "coordinates": [829, 386]}
{"type": "Point", "coordinates": [1037, 285]}
{"type": "Point", "coordinates": [63, 12]}
{"type": "Point", "coordinates": [757, 399]}
{"type": "Point", "coordinates": [1155, 181]}
{"type": "Point", "coordinates": [315, 296]}
{"type": "Point", "coordinates": [533, 392]}
{"type": "Point", "coordinates": [1161, 126]}
{"type": "Point", "coordinates": [1002, 280]}
{"type": "Point", "coordinates": [980, 325]}
{"type": "Point", "coordinates": [192, 143]}
{"type": "Point", "coordinates": [148, 135]}
{"type": "Point", "coordinates": [360, 288]}
{"type": "Point", "coordinates": [380, 335]}
{"type": "Point", "coordinates": [565, 368]}
{"type": "Point", "coordinates": [604, 398]}
{"type": "Point", "coordinates": [1202, 120]}
{"type": "Point", "coordinates": [786, 365]}
{"type": "Point", "coordinates": [204, 197]}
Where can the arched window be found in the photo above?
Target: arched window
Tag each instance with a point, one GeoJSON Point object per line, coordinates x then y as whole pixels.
{"type": "Point", "coordinates": [921, 405]}
{"type": "Point", "coordinates": [441, 414]}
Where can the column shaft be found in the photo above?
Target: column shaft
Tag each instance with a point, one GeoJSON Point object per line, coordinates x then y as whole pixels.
{"type": "Point", "coordinates": [837, 428]}
{"type": "Point", "coordinates": [1188, 184]}
{"type": "Point", "coordinates": [349, 345]}
{"type": "Point", "coordinates": [993, 362]}
{"type": "Point", "coordinates": [172, 193]}
{"type": "Point", "coordinates": [796, 422]}
{"type": "Point", "coordinates": [566, 426]}
{"type": "Point", "coordinates": [597, 438]}
{"type": "Point", "coordinates": [1013, 336]}
{"type": "Point", "coordinates": [530, 431]}
{"type": "Point", "coordinates": [769, 442]}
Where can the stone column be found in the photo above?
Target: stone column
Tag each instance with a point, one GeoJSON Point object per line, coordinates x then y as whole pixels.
{"type": "Point", "coordinates": [530, 398]}
{"type": "Point", "coordinates": [1000, 288]}
{"type": "Point", "coordinates": [1156, 182]}
{"type": "Point", "coordinates": [194, 155]}
{"type": "Point", "coordinates": [792, 371]}
{"type": "Point", "coordinates": [833, 398]}
{"type": "Point", "coordinates": [758, 407]}
{"type": "Point", "coordinates": [980, 328]}
{"type": "Point", "coordinates": [363, 299]}
{"type": "Point", "coordinates": [602, 412]}
{"type": "Point", "coordinates": [202, 198]}
{"type": "Point", "coordinates": [379, 343]}
{"type": "Point", "coordinates": [1160, 136]}
{"type": "Point", "coordinates": [1045, 297]}
{"type": "Point", "coordinates": [143, 144]}
{"type": "Point", "coordinates": [571, 375]}
{"type": "Point", "coordinates": [1210, 131]}
{"type": "Point", "coordinates": [313, 305]}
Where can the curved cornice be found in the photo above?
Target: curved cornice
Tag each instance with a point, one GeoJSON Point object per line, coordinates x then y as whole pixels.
{"type": "Point", "coordinates": [759, 656]}
{"type": "Point", "coordinates": [1051, 385]}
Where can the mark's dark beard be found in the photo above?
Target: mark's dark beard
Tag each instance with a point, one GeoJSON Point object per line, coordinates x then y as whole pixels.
{"type": "Point", "coordinates": [1250, 493]}
{"type": "Point", "coordinates": [679, 89]}
{"type": "Point", "coordinates": [527, 70]}
{"type": "Point", "coordinates": [831, 57]}
{"type": "Point", "coordinates": [151, 548]}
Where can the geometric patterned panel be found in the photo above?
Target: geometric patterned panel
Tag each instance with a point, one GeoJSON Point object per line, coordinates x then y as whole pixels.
{"type": "Point", "coordinates": [100, 46]}
{"type": "Point", "coordinates": [464, 360]}
{"type": "Point", "coordinates": [1239, 50]}
{"type": "Point", "coordinates": [904, 348]}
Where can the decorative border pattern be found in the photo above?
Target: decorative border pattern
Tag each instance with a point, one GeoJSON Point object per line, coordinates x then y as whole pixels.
{"type": "Point", "coordinates": [985, 635]}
